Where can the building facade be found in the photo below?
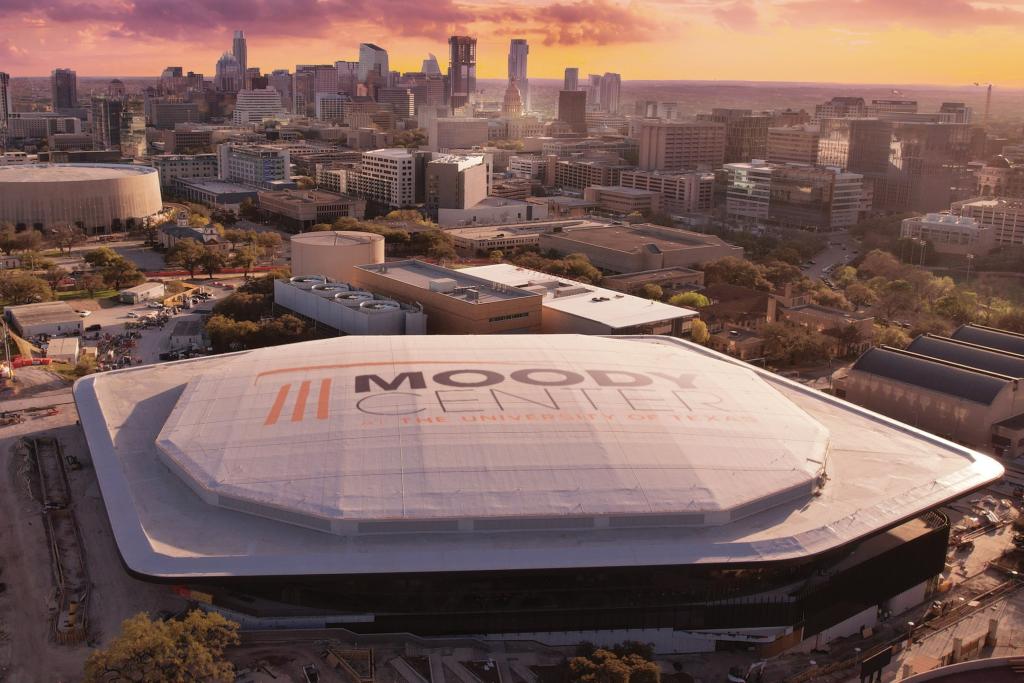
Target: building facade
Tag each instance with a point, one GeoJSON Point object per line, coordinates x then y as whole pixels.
{"type": "Point", "coordinates": [681, 145]}
{"type": "Point", "coordinates": [255, 165]}
{"type": "Point", "coordinates": [680, 192]}
{"type": "Point", "coordinates": [387, 176]}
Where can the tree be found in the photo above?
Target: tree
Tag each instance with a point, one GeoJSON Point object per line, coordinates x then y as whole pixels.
{"type": "Point", "coordinates": [245, 258]}
{"type": "Point", "coordinates": [699, 331]}
{"type": "Point", "coordinates": [19, 287]}
{"type": "Point", "coordinates": [325, 227]}
{"type": "Point", "coordinates": [735, 271]}
{"type": "Point", "coordinates": [605, 666]}
{"type": "Point", "coordinates": [97, 258]}
{"type": "Point", "coordinates": [225, 217]}
{"type": "Point", "coordinates": [29, 240]}
{"type": "Point", "coordinates": [269, 241]}
{"type": "Point", "coordinates": [121, 273]}
{"type": "Point", "coordinates": [235, 237]}
{"type": "Point", "coordinates": [189, 649]}
{"type": "Point", "coordinates": [959, 306]}
{"type": "Point", "coordinates": [54, 275]}
{"type": "Point", "coordinates": [652, 291]}
{"type": "Point", "coordinates": [880, 264]}
{"type": "Point", "coordinates": [248, 210]}
{"type": "Point", "coordinates": [780, 273]}
{"type": "Point", "coordinates": [65, 236]}
{"type": "Point", "coordinates": [690, 300]}
{"type": "Point", "coordinates": [1011, 320]}
{"type": "Point", "coordinates": [793, 344]}
{"type": "Point", "coordinates": [496, 256]}
{"type": "Point", "coordinates": [91, 284]}
{"type": "Point", "coordinates": [860, 294]}
{"type": "Point", "coordinates": [211, 261]}
{"type": "Point", "coordinates": [897, 296]}
{"type": "Point", "coordinates": [187, 254]}
{"type": "Point", "coordinates": [891, 336]}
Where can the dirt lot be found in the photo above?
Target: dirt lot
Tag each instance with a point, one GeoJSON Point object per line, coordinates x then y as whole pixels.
{"type": "Point", "coordinates": [28, 653]}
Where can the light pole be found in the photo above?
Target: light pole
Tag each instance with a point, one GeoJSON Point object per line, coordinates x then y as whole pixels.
{"type": "Point", "coordinates": [970, 260]}
{"type": "Point", "coordinates": [924, 243]}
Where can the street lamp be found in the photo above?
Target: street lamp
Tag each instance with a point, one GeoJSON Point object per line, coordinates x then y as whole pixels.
{"type": "Point", "coordinates": [970, 260]}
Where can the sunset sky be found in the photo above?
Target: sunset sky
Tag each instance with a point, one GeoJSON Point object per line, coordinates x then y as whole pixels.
{"type": "Point", "coordinates": [857, 41]}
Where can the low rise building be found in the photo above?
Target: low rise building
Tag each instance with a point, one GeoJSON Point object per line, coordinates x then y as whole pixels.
{"type": "Point", "coordinates": [623, 200]}
{"type": "Point", "coordinates": [386, 176]}
{"type": "Point", "coordinates": [511, 188]}
{"type": "Point", "coordinates": [254, 165]}
{"type": "Point", "coordinates": [671, 280]}
{"type": "Point", "coordinates": [680, 192]}
{"type": "Point", "coordinates": [50, 318]}
{"type": "Point", "coordinates": [171, 167]}
{"type": "Point", "coordinates": [492, 211]}
{"type": "Point", "coordinates": [562, 206]}
{"type": "Point", "coordinates": [633, 248]}
{"type": "Point", "coordinates": [300, 210]}
{"type": "Point", "coordinates": [570, 307]}
{"type": "Point", "coordinates": [213, 192]}
{"type": "Point", "coordinates": [347, 308]}
{"type": "Point", "coordinates": [63, 350]}
{"type": "Point", "coordinates": [1002, 217]}
{"type": "Point", "coordinates": [455, 302]}
{"type": "Point", "coordinates": [147, 291]}
{"type": "Point", "coordinates": [208, 236]}
{"type": "Point", "coordinates": [948, 233]}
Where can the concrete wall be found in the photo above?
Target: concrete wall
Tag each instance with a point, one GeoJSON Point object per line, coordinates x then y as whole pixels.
{"type": "Point", "coordinates": [348, 319]}
{"type": "Point", "coordinates": [337, 261]}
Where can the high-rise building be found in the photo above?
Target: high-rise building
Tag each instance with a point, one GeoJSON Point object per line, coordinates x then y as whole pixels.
{"type": "Point", "coordinates": [681, 145]}
{"type": "Point", "coordinates": [461, 70]}
{"type": "Point", "coordinates": [387, 176]}
{"type": "Point", "coordinates": [256, 165]}
{"type": "Point", "coordinates": [958, 112]}
{"type": "Point", "coordinates": [373, 59]}
{"type": "Point", "coordinates": [594, 90]}
{"type": "Point", "coordinates": [455, 181]}
{"type": "Point", "coordinates": [430, 66]}
{"type": "Point", "coordinates": [793, 144]}
{"type": "Point", "coordinates": [746, 133]}
{"type": "Point", "coordinates": [229, 74]}
{"type": "Point", "coordinates": [64, 89]}
{"type": "Point", "coordinates": [518, 53]}
{"type": "Point", "coordinates": [572, 109]}
{"type": "Point", "coordinates": [841, 107]}
{"type": "Point", "coordinates": [401, 100]}
{"type": "Point", "coordinates": [456, 133]}
{"type": "Point", "coordinates": [240, 52]}
{"type": "Point", "coordinates": [6, 101]}
{"type": "Point", "coordinates": [572, 78]}
{"type": "Point", "coordinates": [611, 93]}
{"type": "Point", "coordinates": [512, 105]}
{"type": "Point", "coordinates": [254, 106]}
{"type": "Point", "coordinates": [681, 192]}
{"type": "Point", "coordinates": [281, 81]}
{"type": "Point", "coordinates": [999, 177]}
{"type": "Point", "coordinates": [348, 77]}
{"type": "Point", "coordinates": [106, 123]}
{"type": "Point", "coordinates": [116, 88]}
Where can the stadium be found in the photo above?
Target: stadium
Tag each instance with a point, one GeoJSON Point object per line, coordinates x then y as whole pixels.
{"type": "Point", "coordinates": [96, 197]}
{"type": "Point", "coordinates": [556, 487]}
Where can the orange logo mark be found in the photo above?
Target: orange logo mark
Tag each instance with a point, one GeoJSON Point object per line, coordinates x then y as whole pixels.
{"type": "Point", "coordinates": [323, 402]}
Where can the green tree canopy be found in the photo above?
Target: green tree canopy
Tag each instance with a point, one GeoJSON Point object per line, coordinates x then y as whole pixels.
{"type": "Point", "coordinates": [689, 300]}
{"type": "Point", "coordinates": [187, 254]}
{"type": "Point", "coordinates": [652, 291]}
{"type": "Point", "coordinates": [18, 287]}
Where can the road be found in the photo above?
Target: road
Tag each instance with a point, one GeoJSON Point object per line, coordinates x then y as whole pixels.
{"type": "Point", "coordinates": [841, 248]}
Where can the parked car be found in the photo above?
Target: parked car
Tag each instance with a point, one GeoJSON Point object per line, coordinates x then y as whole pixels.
{"type": "Point", "coordinates": [94, 328]}
{"type": "Point", "coordinates": [83, 314]}
{"type": "Point", "coordinates": [155, 304]}
{"type": "Point", "coordinates": [133, 314]}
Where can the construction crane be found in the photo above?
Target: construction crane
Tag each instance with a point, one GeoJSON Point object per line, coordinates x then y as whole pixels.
{"type": "Point", "coordinates": [988, 103]}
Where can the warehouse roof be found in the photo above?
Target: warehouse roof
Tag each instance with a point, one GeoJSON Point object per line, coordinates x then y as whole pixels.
{"type": "Point", "coordinates": [219, 466]}
{"type": "Point", "coordinates": [971, 355]}
{"type": "Point", "coordinates": [42, 313]}
{"type": "Point", "coordinates": [930, 373]}
{"type": "Point", "coordinates": [991, 337]}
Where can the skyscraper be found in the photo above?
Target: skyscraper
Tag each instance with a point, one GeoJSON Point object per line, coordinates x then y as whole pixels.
{"type": "Point", "coordinates": [572, 78]}
{"type": "Point", "coordinates": [594, 90]}
{"type": "Point", "coordinates": [572, 109]}
{"type": "Point", "coordinates": [64, 89]}
{"type": "Point", "coordinates": [240, 51]}
{"type": "Point", "coordinates": [461, 70]}
{"type": "Point", "coordinates": [281, 81]}
{"type": "Point", "coordinates": [348, 76]}
{"type": "Point", "coordinates": [430, 66]}
{"type": "Point", "coordinates": [373, 58]}
{"type": "Point", "coordinates": [229, 74]}
{"type": "Point", "coordinates": [106, 122]}
{"type": "Point", "coordinates": [6, 101]}
{"type": "Point", "coordinates": [611, 93]}
{"type": "Point", "coordinates": [518, 52]}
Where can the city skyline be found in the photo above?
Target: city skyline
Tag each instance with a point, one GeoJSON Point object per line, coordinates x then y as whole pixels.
{"type": "Point", "coordinates": [867, 41]}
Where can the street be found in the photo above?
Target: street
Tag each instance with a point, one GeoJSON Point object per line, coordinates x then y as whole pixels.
{"type": "Point", "coordinates": [841, 249]}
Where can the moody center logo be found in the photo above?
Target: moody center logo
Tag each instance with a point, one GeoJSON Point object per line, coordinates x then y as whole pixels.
{"type": "Point", "coordinates": [417, 390]}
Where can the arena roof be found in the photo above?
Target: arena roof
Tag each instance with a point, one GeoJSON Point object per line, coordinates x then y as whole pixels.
{"type": "Point", "coordinates": [507, 452]}
{"type": "Point", "coordinates": [66, 173]}
{"type": "Point", "coordinates": [331, 238]}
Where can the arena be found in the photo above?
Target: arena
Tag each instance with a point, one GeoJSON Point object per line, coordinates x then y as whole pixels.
{"type": "Point", "coordinates": [99, 198]}
{"type": "Point", "coordinates": [557, 488]}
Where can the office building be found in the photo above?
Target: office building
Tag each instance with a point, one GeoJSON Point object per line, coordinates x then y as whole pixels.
{"type": "Point", "coordinates": [681, 145]}
{"type": "Point", "coordinates": [611, 93]}
{"type": "Point", "coordinates": [633, 248]}
{"type": "Point", "coordinates": [891, 108]}
{"type": "Point", "coordinates": [256, 106]}
{"type": "Point", "coordinates": [106, 122]}
{"type": "Point", "coordinates": [299, 210]}
{"type": "Point", "coordinates": [170, 167]}
{"type": "Point", "coordinates": [572, 109]}
{"type": "Point", "coordinates": [1001, 178]}
{"type": "Point", "coordinates": [373, 59]}
{"type": "Point", "coordinates": [240, 52]}
{"type": "Point", "coordinates": [840, 108]}
{"type": "Point", "coordinates": [455, 182]}
{"type": "Point", "coordinates": [680, 192]}
{"type": "Point", "coordinates": [348, 76]}
{"type": "Point", "coordinates": [329, 524]}
{"type": "Point", "coordinates": [572, 79]}
{"type": "Point", "coordinates": [949, 233]}
{"type": "Point", "coordinates": [578, 174]}
{"type": "Point", "coordinates": [281, 81]}
{"type": "Point", "coordinates": [490, 211]}
{"type": "Point", "coordinates": [746, 133]}
{"type": "Point", "coordinates": [6, 99]}
{"type": "Point", "coordinates": [623, 201]}
{"type": "Point", "coordinates": [401, 100]}
{"type": "Point", "coordinates": [461, 71]}
{"type": "Point", "coordinates": [793, 145]}
{"type": "Point", "coordinates": [445, 134]}
{"type": "Point", "coordinates": [63, 89]}
{"type": "Point", "coordinates": [455, 302]}
{"type": "Point", "coordinates": [253, 165]}
{"type": "Point", "coordinates": [168, 115]}
{"type": "Point", "coordinates": [1003, 218]}
{"type": "Point", "coordinates": [386, 176]}
{"type": "Point", "coordinates": [229, 76]}
{"type": "Point", "coordinates": [793, 195]}
{"type": "Point", "coordinates": [518, 53]}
